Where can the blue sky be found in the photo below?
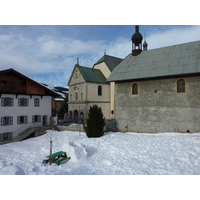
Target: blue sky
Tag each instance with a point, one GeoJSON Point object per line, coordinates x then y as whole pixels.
{"type": "Point", "coordinates": [47, 53]}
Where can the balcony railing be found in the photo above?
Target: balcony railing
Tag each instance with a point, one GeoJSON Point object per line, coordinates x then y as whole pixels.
{"type": "Point", "coordinates": [12, 89]}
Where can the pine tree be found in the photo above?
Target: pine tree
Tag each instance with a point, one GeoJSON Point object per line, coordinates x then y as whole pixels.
{"type": "Point", "coordinates": [95, 122]}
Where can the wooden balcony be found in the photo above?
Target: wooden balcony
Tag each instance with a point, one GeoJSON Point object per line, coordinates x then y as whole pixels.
{"type": "Point", "coordinates": [7, 89]}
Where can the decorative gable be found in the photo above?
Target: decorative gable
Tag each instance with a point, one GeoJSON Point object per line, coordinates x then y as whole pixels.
{"type": "Point", "coordinates": [76, 77]}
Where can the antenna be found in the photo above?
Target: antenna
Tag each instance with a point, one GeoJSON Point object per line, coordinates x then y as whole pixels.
{"type": "Point", "coordinates": [77, 61]}
{"type": "Point", "coordinates": [105, 52]}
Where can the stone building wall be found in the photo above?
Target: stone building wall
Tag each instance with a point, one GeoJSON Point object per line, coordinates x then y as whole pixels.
{"type": "Point", "coordinates": [158, 107]}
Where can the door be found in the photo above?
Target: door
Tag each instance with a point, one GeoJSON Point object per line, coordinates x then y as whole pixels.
{"type": "Point", "coordinates": [44, 120]}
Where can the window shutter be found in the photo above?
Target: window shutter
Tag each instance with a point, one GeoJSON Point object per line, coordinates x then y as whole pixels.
{"type": "Point", "coordinates": [10, 135]}
{"type": "Point", "coordinates": [26, 119]}
{"type": "Point", "coordinates": [2, 121]}
{"type": "Point", "coordinates": [18, 119]}
{"type": "Point", "coordinates": [11, 101]}
{"type": "Point", "coordinates": [19, 102]}
{"type": "Point", "coordinates": [33, 118]}
{"type": "Point", "coordinates": [26, 102]}
{"type": "Point", "coordinates": [39, 118]}
{"type": "Point", "coordinates": [2, 101]}
{"type": "Point", "coordinates": [11, 120]}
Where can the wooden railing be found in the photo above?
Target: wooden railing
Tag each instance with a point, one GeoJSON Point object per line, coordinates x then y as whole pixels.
{"type": "Point", "coordinates": [12, 89]}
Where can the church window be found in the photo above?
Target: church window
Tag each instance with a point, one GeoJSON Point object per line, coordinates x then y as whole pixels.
{"type": "Point", "coordinates": [181, 86]}
{"type": "Point", "coordinates": [76, 96]}
{"type": "Point", "coordinates": [135, 89]}
{"type": "Point", "coordinates": [99, 90]}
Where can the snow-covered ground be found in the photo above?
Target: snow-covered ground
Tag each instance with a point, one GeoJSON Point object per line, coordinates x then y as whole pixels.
{"type": "Point", "coordinates": [113, 154]}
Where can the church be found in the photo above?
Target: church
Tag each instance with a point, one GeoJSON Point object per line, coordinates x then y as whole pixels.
{"type": "Point", "coordinates": [89, 86]}
{"type": "Point", "coordinates": [158, 90]}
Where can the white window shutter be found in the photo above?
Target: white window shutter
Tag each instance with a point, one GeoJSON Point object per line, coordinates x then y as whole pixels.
{"type": "Point", "coordinates": [26, 119]}
{"type": "Point", "coordinates": [33, 118]}
{"type": "Point", "coordinates": [19, 102]}
{"type": "Point", "coordinates": [11, 120]}
{"type": "Point", "coordinates": [2, 101]}
{"type": "Point", "coordinates": [18, 119]}
{"type": "Point", "coordinates": [12, 101]}
{"type": "Point", "coordinates": [26, 102]}
{"type": "Point", "coordinates": [2, 121]}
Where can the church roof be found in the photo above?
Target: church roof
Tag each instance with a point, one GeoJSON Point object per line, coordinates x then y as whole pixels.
{"type": "Point", "coordinates": [110, 61]}
{"type": "Point", "coordinates": [91, 75]}
{"type": "Point", "coordinates": [182, 59]}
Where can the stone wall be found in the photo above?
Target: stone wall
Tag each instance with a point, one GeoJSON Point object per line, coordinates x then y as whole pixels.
{"type": "Point", "coordinates": [158, 107]}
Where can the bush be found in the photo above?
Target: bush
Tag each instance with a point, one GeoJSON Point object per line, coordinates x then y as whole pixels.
{"type": "Point", "coordinates": [95, 122]}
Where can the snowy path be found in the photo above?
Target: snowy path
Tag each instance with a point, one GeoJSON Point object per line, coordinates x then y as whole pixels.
{"type": "Point", "coordinates": [114, 153]}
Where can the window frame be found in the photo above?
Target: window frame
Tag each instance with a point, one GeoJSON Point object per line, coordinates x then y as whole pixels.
{"type": "Point", "coordinates": [6, 136]}
{"type": "Point", "coordinates": [6, 121]}
{"type": "Point", "coordinates": [76, 96]}
{"type": "Point", "coordinates": [34, 117]}
{"type": "Point", "coordinates": [135, 91]}
{"type": "Point", "coordinates": [26, 102]}
{"type": "Point", "coordinates": [20, 121]}
{"type": "Point", "coordinates": [181, 87]}
{"type": "Point", "coordinates": [9, 103]}
{"type": "Point", "coordinates": [99, 90]}
{"type": "Point", "coordinates": [36, 102]}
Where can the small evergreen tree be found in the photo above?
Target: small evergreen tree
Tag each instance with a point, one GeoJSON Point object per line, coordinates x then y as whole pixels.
{"type": "Point", "coordinates": [95, 122]}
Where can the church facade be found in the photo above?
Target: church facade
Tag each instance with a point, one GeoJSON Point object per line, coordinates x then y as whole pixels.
{"type": "Point", "coordinates": [89, 86]}
{"type": "Point", "coordinates": [158, 90]}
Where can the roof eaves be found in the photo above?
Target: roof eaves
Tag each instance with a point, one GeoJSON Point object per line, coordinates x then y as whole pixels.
{"type": "Point", "coordinates": [31, 80]}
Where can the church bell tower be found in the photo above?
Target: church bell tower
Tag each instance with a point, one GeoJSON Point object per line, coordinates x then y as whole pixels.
{"type": "Point", "coordinates": [136, 42]}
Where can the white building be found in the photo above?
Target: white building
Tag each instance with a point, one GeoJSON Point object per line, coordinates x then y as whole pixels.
{"type": "Point", "coordinates": [24, 103]}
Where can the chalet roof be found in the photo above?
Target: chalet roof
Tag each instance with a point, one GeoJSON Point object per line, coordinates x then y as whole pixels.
{"type": "Point", "coordinates": [47, 90]}
{"type": "Point", "coordinates": [110, 61]}
{"type": "Point", "coordinates": [182, 59]}
{"type": "Point", "coordinates": [91, 74]}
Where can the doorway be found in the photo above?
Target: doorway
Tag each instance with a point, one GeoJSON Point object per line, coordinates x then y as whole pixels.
{"type": "Point", "coordinates": [44, 120]}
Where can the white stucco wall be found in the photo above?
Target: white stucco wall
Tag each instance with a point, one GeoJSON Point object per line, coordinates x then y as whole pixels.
{"type": "Point", "coordinates": [104, 69]}
{"type": "Point", "coordinates": [14, 111]}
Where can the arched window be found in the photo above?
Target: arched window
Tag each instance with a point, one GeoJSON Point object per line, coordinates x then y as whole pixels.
{"type": "Point", "coordinates": [76, 116]}
{"type": "Point", "coordinates": [70, 115]}
{"type": "Point", "coordinates": [99, 90]}
{"type": "Point", "coordinates": [181, 86]}
{"type": "Point", "coordinates": [135, 88]}
{"type": "Point", "coordinates": [76, 96]}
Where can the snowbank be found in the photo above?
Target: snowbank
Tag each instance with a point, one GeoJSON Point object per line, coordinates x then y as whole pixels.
{"type": "Point", "coordinates": [114, 153]}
